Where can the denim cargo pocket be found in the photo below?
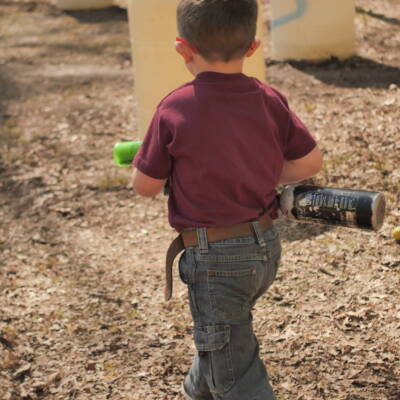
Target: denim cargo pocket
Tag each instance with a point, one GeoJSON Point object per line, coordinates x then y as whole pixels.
{"type": "Point", "coordinates": [232, 291]}
{"type": "Point", "coordinates": [212, 343]}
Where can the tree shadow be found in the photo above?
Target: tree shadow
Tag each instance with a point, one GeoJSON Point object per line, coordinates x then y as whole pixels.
{"type": "Point", "coordinates": [48, 79]}
{"type": "Point", "coordinates": [354, 72]}
{"type": "Point", "coordinates": [394, 393]}
{"type": "Point", "coordinates": [382, 17]}
{"type": "Point", "coordinates": [8, 88]}
{"type": "Point", "coordinates": [75, 47]}
{"type": "Point", "coordinates": [9, 131]}
{"type": "Point", "coordinates": [101, 15]}
{"type": "Point", "coordinates": [29, 5]}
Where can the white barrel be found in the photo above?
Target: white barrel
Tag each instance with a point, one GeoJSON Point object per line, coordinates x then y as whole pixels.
{"type": "Point", "coordinates": [82, 4]}
{"type": "Point", "coordinates": [312, 29]}
{"type": "Point", "coordinates": [158, 69]}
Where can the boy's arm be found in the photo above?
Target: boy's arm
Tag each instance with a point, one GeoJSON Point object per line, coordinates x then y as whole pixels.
{"type": "Point", "coordinates": [297, 170]}
{"type": "Point", "coordinates": [146, 185]}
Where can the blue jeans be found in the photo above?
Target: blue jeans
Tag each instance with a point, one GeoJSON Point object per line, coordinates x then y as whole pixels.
{"type": "Point", "coordinates": [224, 280]}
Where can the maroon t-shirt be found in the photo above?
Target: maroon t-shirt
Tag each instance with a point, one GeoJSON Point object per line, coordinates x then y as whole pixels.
{"type": "Point", "coordinates": [221, 140]}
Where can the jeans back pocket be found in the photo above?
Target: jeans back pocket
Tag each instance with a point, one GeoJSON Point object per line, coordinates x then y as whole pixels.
{"type": "Point", "coordinates": [231, 292]}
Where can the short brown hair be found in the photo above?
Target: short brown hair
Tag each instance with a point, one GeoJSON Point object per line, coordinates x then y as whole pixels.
{"type": "Point", "coordinates": [222, 30]}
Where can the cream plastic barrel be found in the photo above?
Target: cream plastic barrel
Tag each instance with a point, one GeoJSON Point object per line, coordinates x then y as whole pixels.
{"type": "Point", "coordinates": [312, 29]}
{"type": "Point", "coordinates": [158, 69]}
{"type": "Point", "coordinates": [82, 4]}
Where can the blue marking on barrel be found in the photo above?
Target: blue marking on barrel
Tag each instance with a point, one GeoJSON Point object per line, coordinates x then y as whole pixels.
{"type": "Point", "coordinates": [301, 9]}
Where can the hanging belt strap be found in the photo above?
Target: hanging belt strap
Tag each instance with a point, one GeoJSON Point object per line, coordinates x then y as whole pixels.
{"type": "Point", "coordinates": [190, 238]}
{"type": "Point", "coordinates": [173, 250]}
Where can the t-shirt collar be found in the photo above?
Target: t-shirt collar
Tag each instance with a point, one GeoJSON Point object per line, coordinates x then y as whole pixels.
{"type": "Point", "coordinates": [211, 76]}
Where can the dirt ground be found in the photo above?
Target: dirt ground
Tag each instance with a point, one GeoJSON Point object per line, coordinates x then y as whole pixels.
{"type": "Point", "coordinates": [82, 314]}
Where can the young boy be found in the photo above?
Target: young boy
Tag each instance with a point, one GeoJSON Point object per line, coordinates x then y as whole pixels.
{"type": "Point", "coordinates": [224, 142]}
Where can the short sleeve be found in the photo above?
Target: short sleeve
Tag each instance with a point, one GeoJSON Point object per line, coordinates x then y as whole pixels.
{"type": "Point", "coordinates": [153, 158]}
{"type": "Point", "coordinates": [296, 138]}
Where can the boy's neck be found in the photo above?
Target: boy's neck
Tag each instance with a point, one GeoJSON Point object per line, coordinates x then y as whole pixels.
{"type": "Point", "coordinates": [230, 67]}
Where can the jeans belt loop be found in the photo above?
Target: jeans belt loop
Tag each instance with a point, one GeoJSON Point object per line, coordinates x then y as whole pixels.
{"type": "Point", "coordinates": [258, 233]}
{"type": "Point", "coordinates": [202, 239]}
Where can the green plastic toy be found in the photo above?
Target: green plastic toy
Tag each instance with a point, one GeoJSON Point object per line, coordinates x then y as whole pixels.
{"type": "Point", "coordinates": [125, 152]}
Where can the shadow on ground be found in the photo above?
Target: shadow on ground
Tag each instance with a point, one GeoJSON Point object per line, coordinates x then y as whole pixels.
{"type": "Point", "coordinates": [382, 17]}
{"type": "Point", "coordinates": [8, 87]}
{"type": "Point", "coordinates": [354, 72]}
{"type": "Point", "coordinates": [9, 132]}
{"type": "Point", "coordinates": [100, 16]}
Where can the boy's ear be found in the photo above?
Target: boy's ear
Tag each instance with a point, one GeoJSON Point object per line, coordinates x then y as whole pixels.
{"type": "Point", "coordinates": [253, 47]}
{"type": "Point", "coordinates": [185, 51]}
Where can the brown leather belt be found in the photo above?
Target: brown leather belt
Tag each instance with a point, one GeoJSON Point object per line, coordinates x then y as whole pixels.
{"type": "Point", "coordinates": [189, 238]}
